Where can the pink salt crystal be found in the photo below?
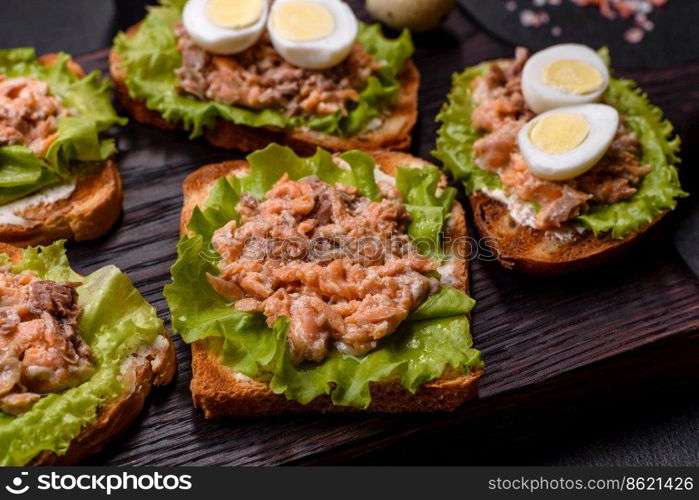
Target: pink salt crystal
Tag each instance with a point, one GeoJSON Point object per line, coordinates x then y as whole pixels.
{"type": "Point", "coordinates": [634, 35]}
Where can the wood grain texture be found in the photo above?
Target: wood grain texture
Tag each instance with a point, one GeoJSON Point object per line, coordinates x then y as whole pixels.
{"type": "Point", "coordinates": [534, 333]}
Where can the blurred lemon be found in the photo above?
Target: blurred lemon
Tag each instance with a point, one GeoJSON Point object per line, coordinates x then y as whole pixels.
{"type": "Point", "coordinates": [416, 15]}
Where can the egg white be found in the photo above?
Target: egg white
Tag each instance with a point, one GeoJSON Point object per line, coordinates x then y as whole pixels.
{"type": "Point", "coordinates": [324, 52]}
{"type": "Point", "coordinates": [216, 39]}
{"type": "Point", "coordinates": [540, 97]}
{"type": "Point", "coordinates": [603, 121]}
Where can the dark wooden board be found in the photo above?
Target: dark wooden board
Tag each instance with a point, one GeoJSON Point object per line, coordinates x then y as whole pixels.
{"type": "Point", "coordinates": [535, 334]}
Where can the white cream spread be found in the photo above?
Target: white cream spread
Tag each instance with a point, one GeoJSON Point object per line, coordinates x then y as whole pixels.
{"type": "Point", "coordinates": [565, 235]}
{"type": "Point", "coordinates": [524, 214]}
{"type": "Point", "coordinates": [374, 124]}
{"type": "Point", "coordinates": [241, 378]}
{"type": "Point", "coordinates": [161, 346]}
{"type": "Point", "coordinates": [339, 162]}
{"type": "Point", "coordinates": [9, 212]}
{"type": "Point", "coordinates": [447, 272]}
{"type": "Point", "coordinates": [381, 176]}
{"type": "Point", "coordinates": [520, 211]}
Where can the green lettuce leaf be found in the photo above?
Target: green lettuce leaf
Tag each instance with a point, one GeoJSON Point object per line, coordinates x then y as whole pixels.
{"type": "Point", "coordinates": [78, 142]}
{"type": "Point", "coordinates": [435, 337]}
{"type": "Point", "coordinates": [22, 173]}
{"type": "Point", "coordinates": [427, 209]}
{"type": "Point", "coordinates": [20, 166]}
{"type": "Point", "coordinates": [116, 320]}
{"type": "Point", "coordinates": [150, 58]}
{"type": "Point", "coordinates": [657, 192]}
{"type": "Point", "coordinates": [456, 136]}
{"type": "Point", "coordinates": [659, 189]}
{"type": "Point", "coordinates": [447, 302]}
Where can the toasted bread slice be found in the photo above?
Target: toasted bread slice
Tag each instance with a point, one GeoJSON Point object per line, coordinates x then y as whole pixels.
{"type": "Point", "coordinates": [538, 252]}
{"type": "Point", "coordinates": [140, 373]}
{"type": "Point", "coordinates": [393, 133]}
{"type": "Point", "coordinates": [221, 392]}
{"type": "Point", "coordinates": [90, 211]}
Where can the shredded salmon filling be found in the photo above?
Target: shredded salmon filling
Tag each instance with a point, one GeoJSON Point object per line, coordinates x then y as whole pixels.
{"type": "Point", "coordinates": [28, 114]}
{"type": "Point", "coordinates": [340, 266]}
{"type": "Point", "coordinates": [501, 111]}
{"type": "Point", "coordinates": [260, 78]}
{"type": "Point", "coordinates": [40, 349]}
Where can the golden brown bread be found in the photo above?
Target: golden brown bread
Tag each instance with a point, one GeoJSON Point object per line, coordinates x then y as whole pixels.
{"type": "Point", "coordinates": [393, 134]}
{"type": "Point", "coordinates": [533, 252]}
{"type": "Point", "coordinates": [220, 392]}
{"type": "Point", "coordinates": [88, 213]}
{"type": "Point", "coordinates": [13, 252]}
{"type": "Point", "coordinates": [140, 374]}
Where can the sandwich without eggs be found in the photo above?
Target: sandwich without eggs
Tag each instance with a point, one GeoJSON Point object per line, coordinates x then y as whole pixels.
{"type": "Point", "coordinates": [327, 283]}
{"type": "Point", "coordinates": [58, 177]}
{"type": "Point", "coordinates": [78, 356]}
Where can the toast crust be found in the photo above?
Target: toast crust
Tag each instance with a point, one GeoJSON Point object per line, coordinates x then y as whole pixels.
{"type": "Point", "coordinates": [154, 368]}
{"type": "Point", "coordinates": [392, 134]}
{"type": "Point", "coordinates": [533, 252]}
{"type": "Point", "coordinates": [91, 210]}
{"type": "Point", "coordinates": [220, 392]}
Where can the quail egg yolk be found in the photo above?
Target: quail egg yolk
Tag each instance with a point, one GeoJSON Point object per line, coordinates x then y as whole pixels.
{"type": "Point", "coordinates": [234, 14]}
{"type": "Point", "coordinates": [558, 133]}
{"type": "Point", "coordinates": [303, 21]}
{"type": "Point", "coordinates": [572, 76]}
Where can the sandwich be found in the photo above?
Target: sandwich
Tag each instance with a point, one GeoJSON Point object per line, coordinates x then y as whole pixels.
{"type": "Point", "coordinates": [58, 177]}
{"type": "Point", "coordinates": [565, 166]}
{"type": "Point", "coordinates": [79, 356]}
{"type": "Point", "coordinates": [324, 283]}
{"type": "Point", "coordinates": [297, 72]}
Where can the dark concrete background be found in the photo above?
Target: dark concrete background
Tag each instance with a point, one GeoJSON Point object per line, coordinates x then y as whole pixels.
{"type": "Point", "coordinates": [657, 425]}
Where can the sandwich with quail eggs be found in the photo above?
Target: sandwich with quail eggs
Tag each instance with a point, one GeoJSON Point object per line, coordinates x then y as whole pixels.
{"type": "Point", "coordinates": [244, 73]}
{"type": "Point", "coordinates": [565, 165]}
